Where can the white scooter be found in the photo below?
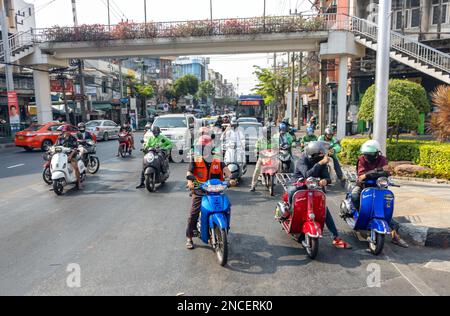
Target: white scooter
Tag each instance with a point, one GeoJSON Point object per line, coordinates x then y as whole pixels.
{"type": "Point", "coordinates": [62, 171]}
{"type": "Point", "coordinates": [235, 160]}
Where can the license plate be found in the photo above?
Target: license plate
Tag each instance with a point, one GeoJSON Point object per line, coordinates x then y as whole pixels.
{"type": "Point", "coordinates": [20, 138]}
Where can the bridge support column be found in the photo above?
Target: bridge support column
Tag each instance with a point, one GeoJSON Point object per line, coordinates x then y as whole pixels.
{"type": "Point", "coordinates": [342, 97]}
{"type": "Point", "coordinates": [42, 94]}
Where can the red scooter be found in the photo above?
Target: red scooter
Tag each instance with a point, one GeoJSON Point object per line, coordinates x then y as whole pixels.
{"type": "Point", "coordinates": [124, 144]}
{"type": "Point", "coordinates": [307, 219]}
{"type": "Point", "coordinates": [269, 168]}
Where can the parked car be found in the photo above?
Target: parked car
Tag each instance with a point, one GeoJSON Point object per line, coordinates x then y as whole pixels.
{"type": "Point", "coordinates": [179, 128]}
{"type": "Point", "coordinates": [247, 120]}
{"type": "Point", "coordinates": [41, 136]}
{"type": "Point", "coordinates": [103, 129]}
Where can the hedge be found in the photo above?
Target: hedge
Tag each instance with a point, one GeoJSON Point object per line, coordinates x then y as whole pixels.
{"type": "Point", "coordinates": [430, 154]}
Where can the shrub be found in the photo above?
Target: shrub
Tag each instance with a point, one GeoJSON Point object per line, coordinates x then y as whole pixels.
{"type": "Point", "coordinates": [424, 153]}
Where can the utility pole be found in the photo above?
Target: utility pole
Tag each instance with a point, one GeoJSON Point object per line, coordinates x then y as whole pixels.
{"type": "Point", "coordinates": [62, 81]}
{"type": "Point", "coordinates": [122, 116]}
{"type": "Point", "coordinates": [274, 105]}
{"type": "Point", "coordinates": [109, 16]}
{"type": "Point", "coordinates": [6, 48]}
{"type": "Point", "coordinates": [300, 100]}
{"type": "Point", "coordinates": [292, 118]}
{"type": "Point", "coordinates": [264, 16]}
{"type": "Point", "coordinates": [145, 12]}
{"type": "Point", "coordinates": [210, 9]}
{"type": "Point", "coordinates": [440, 17]}
{"type": "Point", "coordinates": [84, 116]}
{"type": "Point", "coordinates": [382, 74]}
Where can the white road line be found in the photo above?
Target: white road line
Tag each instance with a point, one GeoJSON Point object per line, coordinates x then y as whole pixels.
{"type": "Point", "coordinates": [15, 166]}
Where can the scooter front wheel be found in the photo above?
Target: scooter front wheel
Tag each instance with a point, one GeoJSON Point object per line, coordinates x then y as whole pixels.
{"type": "Point", "coordinates": [272, 185]}
{"type": "Point", "coordinates": [312, 247]}
{"type": "Point", "coordinates": [150, 182]}
{"type": "Point", "coordinates": [376, 243]}
{"type": "Point", "coordinates": [93, 165]}
{"type": "Point", "coordinates": [58, 187]}
{"type": "Point", "coordinates": [221, 247]}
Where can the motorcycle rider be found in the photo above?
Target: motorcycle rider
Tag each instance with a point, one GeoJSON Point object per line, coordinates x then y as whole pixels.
{"type": "Point", "coordinates": [263, 143]}
{"type": "Point", "coordinates": [313, 163]}
{"type": "Point", "coordinates": [205, 166]}
{"type": "Point", "coordinates": [233, 135]}
{"type": "Point", "coordinates": [157, 140]}
{"type": "Point", "coordinates": [371, 165]}
{"type": "Point", "coordinates": [126, 128]}
{"type": "Point", "coordinates": [309, 137]}
{"type": "Point", "coordinates": [67, 140]}
{"type": "Point", "coordinates": [335, 148]}
{"type": "Point", "coordinates": [219, 122]}
{"type": "Point", "coordinates": [283, 137]}
{"type": "Point", "coordinates": [82, 137]}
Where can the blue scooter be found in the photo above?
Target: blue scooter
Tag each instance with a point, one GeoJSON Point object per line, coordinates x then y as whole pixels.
{"type": "Point", "coordinates": [214, 221]}
{"type": "Point", "coordinates": [374, 214]}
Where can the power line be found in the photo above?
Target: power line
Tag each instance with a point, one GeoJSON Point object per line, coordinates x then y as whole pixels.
{"type": "Point", "coordinates": [118, 8]}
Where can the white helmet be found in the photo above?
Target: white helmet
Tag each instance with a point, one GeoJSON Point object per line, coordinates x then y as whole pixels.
{"type": "Point", "coordinates": [371, 147]}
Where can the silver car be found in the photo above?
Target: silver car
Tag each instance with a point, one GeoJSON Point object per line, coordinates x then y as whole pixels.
{"type": "Point", "coordinates": [103, 129]}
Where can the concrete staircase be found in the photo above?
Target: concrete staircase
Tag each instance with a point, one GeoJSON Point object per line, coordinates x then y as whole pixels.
{"type": "Point", "coordinates": [405, 50]}
{"type": "Point", "coordinates": [21, 45]}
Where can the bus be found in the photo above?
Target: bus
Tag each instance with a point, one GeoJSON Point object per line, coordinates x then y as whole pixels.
{"type": "Point", "coordinates": [251, 106]}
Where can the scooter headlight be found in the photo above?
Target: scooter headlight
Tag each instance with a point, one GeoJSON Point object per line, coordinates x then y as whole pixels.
{"type": "Point", "coordinates": [150, 157]}
{"type": "Point", "coordinates": [216, 188]}
{"type": "Point", "coordinates": [312, 184]}
{"type": "Point", "coordinates": [383, 182]}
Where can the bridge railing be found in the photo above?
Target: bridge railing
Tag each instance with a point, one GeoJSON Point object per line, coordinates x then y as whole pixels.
{"type": "Point", "coordinates": [196, 28]}
{"type": "Point", "coordinates": [17, 41]}
{"type": "Point", "coordinates": [403, 44]}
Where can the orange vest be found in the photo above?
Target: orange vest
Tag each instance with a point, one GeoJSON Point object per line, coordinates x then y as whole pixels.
{"type": "Point", "coordinates": [201, 172]}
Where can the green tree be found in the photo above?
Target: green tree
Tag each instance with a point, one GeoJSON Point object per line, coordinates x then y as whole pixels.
{"type": "Point", "coordinates": [206, 90]}
{"type": "Point", "coordinates": [145, 92]}
{"type": "Point", "coordinates": [401, 111]}
{"type": "Point", "coordinates": [184, 86]}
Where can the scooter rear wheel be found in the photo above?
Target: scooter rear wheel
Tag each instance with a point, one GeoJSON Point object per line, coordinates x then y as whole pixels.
{"type": "Point", "coordinates": [122, 151]}
{"type": "Point", "coordinates": [47, 176]}
{"type": "Point", "coordinates": [221, 247]}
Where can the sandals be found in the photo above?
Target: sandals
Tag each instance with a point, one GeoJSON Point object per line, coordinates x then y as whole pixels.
{"type": "Point", "coordinates": [340, 244]}
{"type": "Point", "coordinates": [189, 245]}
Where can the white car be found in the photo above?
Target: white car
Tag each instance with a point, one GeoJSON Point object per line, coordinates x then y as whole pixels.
{"type": "Point", "coordinates": [103, 129]}
{"type": "Point", "coordinates": [179, 128]}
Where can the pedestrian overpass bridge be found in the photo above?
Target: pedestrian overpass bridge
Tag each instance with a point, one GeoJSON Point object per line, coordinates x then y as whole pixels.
{"type": "Point", "coordinates": [332, 35]}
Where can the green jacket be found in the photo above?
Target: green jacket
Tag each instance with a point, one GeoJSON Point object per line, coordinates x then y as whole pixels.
{"type": "Point", "coordinates": [160, 141]}
{"type": "Point", "coordinates": [276, 142]}
{"type": "Point", "coordinates": [308, 138]}
{"type": "Point", "coordinates": [333, 144]}
{"type": "Point", "coordinates": [263, 144]}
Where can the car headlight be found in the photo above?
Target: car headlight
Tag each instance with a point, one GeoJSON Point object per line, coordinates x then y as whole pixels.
{"type": "Point", "coordinates": [150, 157]}
{"type": "Point", "coordinates": [383, 182]}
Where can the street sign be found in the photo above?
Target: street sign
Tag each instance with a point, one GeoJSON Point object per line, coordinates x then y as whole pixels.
{"type": "Point", "coordinates": [124, 100]}
{"type": "Point", "coordinates": [56, 86]}
{"type": "Point", "coordinates": [124, 111]}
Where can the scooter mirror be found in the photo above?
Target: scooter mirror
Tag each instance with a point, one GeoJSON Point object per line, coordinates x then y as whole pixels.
{"type": "Point", "coordinates": [190, 178]}
{"type": "Point", "coordinates": [142, 141]}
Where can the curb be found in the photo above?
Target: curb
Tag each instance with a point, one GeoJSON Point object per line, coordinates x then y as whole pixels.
{"type": "Point", "coordinates": [424, 236]}
{"type": "Point", "coordinates": [6, 146]}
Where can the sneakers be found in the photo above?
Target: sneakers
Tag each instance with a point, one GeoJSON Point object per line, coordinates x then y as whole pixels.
{"type": "Point", "coordinates": [340, 244]}
{"type": "Point", "coordinates": [140, 186]}
{"type": "Point", "coordinates": [398, 241]}
{"type": "Point", "coordinates": [252, 189]}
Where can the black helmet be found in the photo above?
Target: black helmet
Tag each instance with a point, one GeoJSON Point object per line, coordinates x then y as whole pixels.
{"type": "Point", "coordinates": [315, 151]}
{"type": "Point", "coordinates": [81, 127]}
{"type": "Point", "coordinates": [156, 131]}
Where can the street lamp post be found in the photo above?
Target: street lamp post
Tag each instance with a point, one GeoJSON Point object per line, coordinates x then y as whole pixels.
{"type": "Point", "coordinates": [145, 12]}
{"type": "Point", "coordinates": [210, 9]}
{"type": "Point", "coordinates": [382, 74]}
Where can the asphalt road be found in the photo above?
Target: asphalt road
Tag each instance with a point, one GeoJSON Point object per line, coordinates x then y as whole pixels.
{"type": "Point", "coordinates": [131, 242]}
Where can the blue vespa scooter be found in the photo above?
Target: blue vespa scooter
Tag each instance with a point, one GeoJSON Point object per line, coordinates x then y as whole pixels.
{"type": "Point", "coordinates": [375, 212]}
{"type": "Point", "coordinates": [214, 221]}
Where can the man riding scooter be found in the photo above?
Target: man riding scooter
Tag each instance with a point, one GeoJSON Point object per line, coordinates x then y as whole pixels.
{"type": "Point", "coordinates": [371, 165]}
{"type": "Point", "coordinates": [205, 166]}
{"type": "Point", "coordinates": [283, 142]}
{"type": "Point", "coordinates": [313, 163]}
{"type": "Point", "coordinates": [126, 128]}
{"type": "Point", "coordinates": [335, 148]}
{"type": "Point", "coordinates": [67, 140]}
{"type": "Point", "coordinates": [82, 137]}
{"type": "Point", "coordinates": [309, 137]}
{"type": "Point", "coordinates": [157, 140]}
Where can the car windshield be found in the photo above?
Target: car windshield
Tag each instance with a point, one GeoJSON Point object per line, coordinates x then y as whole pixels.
{"type": "Point", "coordinates": [248, 119]}
{"type": "Point", "coordinates": [171, 122]}
{"type": "Point", "coordinates": [251, 130]}
{"type": "Point", "coordinates": [93, 124]}
{"type": "Point", "coordinates": [34, 128]}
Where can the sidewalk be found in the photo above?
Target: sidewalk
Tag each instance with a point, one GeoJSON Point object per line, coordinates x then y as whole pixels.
{"type": "Point", "coordinates": [422, 211]}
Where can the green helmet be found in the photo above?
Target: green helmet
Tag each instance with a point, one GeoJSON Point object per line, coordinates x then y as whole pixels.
{"type": "Point", "coordinates": [370, 147]}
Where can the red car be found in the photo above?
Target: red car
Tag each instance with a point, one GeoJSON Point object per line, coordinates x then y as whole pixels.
{"type": "Point", "coordinates": [42, 136]}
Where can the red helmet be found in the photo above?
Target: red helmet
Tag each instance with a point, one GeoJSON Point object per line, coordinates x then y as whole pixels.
{"type": "Point", "coordinates": [204, 140]}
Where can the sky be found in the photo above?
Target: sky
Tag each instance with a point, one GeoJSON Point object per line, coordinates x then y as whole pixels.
{"type": "Point", "coordinates": [59, 12]}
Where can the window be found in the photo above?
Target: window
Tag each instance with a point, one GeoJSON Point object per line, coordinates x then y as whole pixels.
{"type": "Point", "coordinates": [436, 13]}
{"type": "Point", "coordinates": [415, 17]}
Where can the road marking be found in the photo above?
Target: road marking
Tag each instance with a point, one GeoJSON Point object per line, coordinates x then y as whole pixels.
{"type": "Point", "coordinates": [443, 266]}
{"type": "Point", "coordinates": [15, 166]}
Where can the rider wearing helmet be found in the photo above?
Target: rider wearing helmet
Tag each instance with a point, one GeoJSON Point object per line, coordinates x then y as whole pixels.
{"type": "Point", "coordinates": [67, 140]}
{"type": "Point", "coordinates": [309, 137]}
{"type": "Point", "coordinates": [282, 137]}
{"type": "Point", "coordinates": [313, 163]}
{"type": "Point", "coordinates": [82, 134]}
{"type": "Point", "coordinates": [157, 140]}
{"type": "Point", "coordinates": [372, 165]}
{"type": "Point", "coordinates": [127, 128]}
{"type": "Point", "coordinates": [204, 166]}
{"type": "Point", "coordinates": [335, 148]}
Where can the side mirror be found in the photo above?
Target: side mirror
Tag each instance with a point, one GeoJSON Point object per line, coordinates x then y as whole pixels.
{"type": "Point", "coordinates": [190, 178]}
{"type": "Point", "coordinates": [213, 136]}
{"type": "Point", "coordinates": [142, 141]}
